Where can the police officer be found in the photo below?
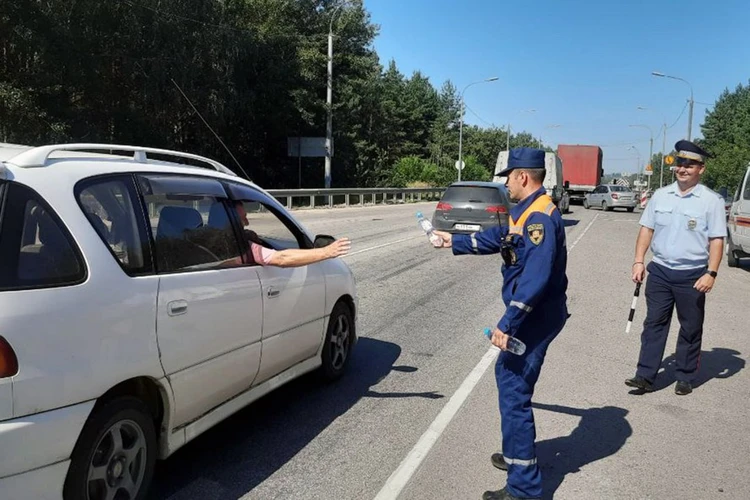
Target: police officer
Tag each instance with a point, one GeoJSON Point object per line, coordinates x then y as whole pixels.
{"type": "Point", "coordinates": [685, 225]}
{"type": "Point", "coordinates": [534, 286]}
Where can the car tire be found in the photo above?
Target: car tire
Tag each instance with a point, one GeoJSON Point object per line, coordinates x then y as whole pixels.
{"type": "Point", "coordinates": [732, 260]}
{"type": "Point", "coordinates": [605, 208]}
{"type": "Point", "coordinates": [586, 204]}
{"type": "Point", "coordinates": [338, 343]}
{"type": "Point", "coordinates": [630, 209]}
{"type": "Point", "coordinates": [118, 443]}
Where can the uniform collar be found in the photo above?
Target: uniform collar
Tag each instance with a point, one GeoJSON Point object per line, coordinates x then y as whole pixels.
{"type": "Point", "coordinates": [522, 205]}
{"type": "Point", "coordinates": [697, 190]}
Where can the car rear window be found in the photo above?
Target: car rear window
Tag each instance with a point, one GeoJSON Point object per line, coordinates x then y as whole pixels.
{"type": "Point", "coordinates": [476, 194]}
{"type": "Point", "coordinates": [36, 249]}
{"type": "Point", "coordinates": [620, 189]}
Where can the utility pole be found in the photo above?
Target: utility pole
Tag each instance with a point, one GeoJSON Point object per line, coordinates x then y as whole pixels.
{"type": "Point", "coordinates": [329, 107]}
{"type": "Point", "coordinates": [691, 102]}
{"type": "Point", "coordinates": [650, 155]}
{"type": "Point", "coordinates": [663, 156]}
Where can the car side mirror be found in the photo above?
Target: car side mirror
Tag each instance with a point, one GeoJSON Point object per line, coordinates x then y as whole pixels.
{"type": "Point", "coordinates": [566, 184]}
{"type": "Point", "coordinates": [323, 240]}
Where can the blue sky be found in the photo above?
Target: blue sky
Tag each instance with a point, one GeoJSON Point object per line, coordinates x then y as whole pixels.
{"type": "Point", "coordinates": [583, 65]}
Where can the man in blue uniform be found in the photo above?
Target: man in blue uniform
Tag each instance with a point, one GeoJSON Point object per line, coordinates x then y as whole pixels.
{"type": "Point", "coordinates": [685, 225]}
{"type": "Point", "coordinates": [534, 286]}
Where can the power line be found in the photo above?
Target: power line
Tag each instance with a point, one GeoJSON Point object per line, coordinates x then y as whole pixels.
{"type": "Point", "coordinates": [479, 117]}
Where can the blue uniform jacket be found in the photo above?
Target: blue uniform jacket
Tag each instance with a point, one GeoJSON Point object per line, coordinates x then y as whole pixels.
{"type": "Point", "coordinates": [534, 284]}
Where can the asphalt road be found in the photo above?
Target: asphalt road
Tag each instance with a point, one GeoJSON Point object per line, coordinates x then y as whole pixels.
{"type": "Point", "coordinates": [421, 350]}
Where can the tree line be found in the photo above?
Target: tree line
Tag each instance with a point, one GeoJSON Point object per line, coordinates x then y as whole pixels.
{"type": "Point", "coordinates": [255, 70]}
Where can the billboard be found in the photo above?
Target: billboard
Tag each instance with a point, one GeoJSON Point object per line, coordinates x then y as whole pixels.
{"type": "Point", "coordinates": [308, 147]}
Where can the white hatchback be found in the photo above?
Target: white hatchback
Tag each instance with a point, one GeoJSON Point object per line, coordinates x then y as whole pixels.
{"type": "Point", "coordinates": [132, 317]}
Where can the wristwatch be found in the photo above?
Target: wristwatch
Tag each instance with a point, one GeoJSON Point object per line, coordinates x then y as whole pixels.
{"type": "Point", "coordinates": [711, 273]}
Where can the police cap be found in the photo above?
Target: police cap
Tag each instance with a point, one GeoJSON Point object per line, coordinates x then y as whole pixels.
{"type": "Point", "coordinates": [526, 158]}
{"type": "Point", "coordinates": [688, 151]}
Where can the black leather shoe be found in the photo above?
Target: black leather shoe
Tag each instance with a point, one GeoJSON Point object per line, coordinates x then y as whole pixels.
{"type": "Point", "coordinates": [683, 388]}
{"type": "Point", "coordinates": [640, 383]}
{"type": "Point", "coordinates": [498, 461]}
{"type": "Point", "coordinates": [502, 495]}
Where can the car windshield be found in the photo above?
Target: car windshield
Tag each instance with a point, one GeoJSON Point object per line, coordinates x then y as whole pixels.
{"type": "Point", "coordinates": [475, 194]}
{"type": "Point", "coordinates": [620, 189]}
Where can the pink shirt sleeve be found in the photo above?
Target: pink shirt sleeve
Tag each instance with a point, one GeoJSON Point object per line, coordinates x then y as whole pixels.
{"type": "Point", "coordinates": [261, 255]}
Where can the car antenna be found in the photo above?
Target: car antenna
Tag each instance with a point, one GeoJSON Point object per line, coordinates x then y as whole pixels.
{"type": "Point", "coordinates": [209, 128]}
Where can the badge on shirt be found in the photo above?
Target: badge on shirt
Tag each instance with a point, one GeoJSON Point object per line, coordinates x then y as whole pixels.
{"type": "Point", "coordinates": [692, 224]}
{"type": "Point", "coordinates": [535, 232]}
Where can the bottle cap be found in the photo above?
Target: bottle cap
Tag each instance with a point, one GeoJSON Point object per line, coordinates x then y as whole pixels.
{"type": "Point", "coordinates": [419, 214]}
{"type": "Point", "coordinates": [488, 332]}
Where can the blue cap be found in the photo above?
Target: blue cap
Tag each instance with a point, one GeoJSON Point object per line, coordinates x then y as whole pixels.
{"type": "Point", "coordinates": [523, 158]}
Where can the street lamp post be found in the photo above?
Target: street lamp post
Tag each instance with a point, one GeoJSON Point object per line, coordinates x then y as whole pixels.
{"type": "Point", "coordinates": [461, 124]}
{"type": "Point", "coordinates": [638, 155]}
{"type": "Point", "coordinates": [329, 99]}
{"type": "Point", "coordinates": [650, 150]}
{"type": "Point", "coordinates": [663, 149]}
{"type": "Point", "coordinates": [692, 101]}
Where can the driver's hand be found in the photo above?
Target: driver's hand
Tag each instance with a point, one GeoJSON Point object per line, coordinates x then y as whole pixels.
{"type": "Point", "coordinates": [339, 248]}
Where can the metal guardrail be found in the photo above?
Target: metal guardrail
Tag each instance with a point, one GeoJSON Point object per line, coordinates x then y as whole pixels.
{"type": "Point", "coordinates": [345, 196]}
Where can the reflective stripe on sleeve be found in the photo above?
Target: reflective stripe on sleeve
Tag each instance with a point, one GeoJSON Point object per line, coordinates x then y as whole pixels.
{"type": "Point", "coordinates": [521, 306]}
{"type": "Point", "coordinates": [474, 243]}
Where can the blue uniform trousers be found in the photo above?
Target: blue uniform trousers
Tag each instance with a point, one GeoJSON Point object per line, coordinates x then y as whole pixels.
{"type": "Point", "coordinates": [516, 377]}
{"type": "Point", "coordinates": [665, 289]}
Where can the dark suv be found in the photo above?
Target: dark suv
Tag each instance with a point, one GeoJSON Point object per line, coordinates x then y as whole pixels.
{"type": "Point", "coordinates": [472, 206]}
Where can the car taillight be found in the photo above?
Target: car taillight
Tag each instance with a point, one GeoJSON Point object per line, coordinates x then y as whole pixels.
{"type": "Point", "coordinates": [8, 359]}
{"type": "Point", "coordinates": [443, 206]}
{"type": "Point", "coordinates": [615, 196]}
{"type": "Point", "coordinates": [499, 209]}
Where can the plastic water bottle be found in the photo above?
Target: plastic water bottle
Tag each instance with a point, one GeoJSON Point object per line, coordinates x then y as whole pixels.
{"type": "Point", "coordinates": [426, 226]}
{"type": "Point", "coordinates": [514, 345]}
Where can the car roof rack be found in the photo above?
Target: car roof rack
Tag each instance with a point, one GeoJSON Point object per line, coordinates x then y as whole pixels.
{"type": "Point", "coordinates": [37, 157]}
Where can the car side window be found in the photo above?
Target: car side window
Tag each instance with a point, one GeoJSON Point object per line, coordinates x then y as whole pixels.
{"type": "Point", "coordinates": [36, 249]}
{"type": "Point", "coordinates": [265, 221]}
{"type": "Point", "coordinates": [746, 193]}
{"type": "Point", "coordinates": [110, 205]}
{"type": "Point", "coordinates": [191, 231]}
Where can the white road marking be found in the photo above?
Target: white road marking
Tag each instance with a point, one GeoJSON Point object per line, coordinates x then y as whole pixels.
{"type": "Point", "coordinates": [383, 245]}
{"type": "Point", "coordinates": [409, 465]}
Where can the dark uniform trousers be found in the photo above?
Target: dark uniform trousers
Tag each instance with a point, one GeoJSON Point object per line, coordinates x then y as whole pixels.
{"type": "Point", "coordinates": [665, 289]}
{"type": "Point", "coordinates": [516, 378]}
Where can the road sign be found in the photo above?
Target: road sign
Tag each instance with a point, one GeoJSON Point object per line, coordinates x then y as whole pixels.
{"type": "Point", "coordinates": [648, 172]}
{"type": "Point", "coordinates": [640, 183]}
{"type": "Point", "coordinates": [460, 165]}
{"type": "Point", "coordinates": [308, 147]}
{"type": "Point", "coordinates": [669, 160]}
{"type": "Point", "coordinates": [648, 168]}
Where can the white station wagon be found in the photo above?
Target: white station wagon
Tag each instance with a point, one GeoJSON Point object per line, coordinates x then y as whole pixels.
{"type": "Point", "coordinates": [132, 318]}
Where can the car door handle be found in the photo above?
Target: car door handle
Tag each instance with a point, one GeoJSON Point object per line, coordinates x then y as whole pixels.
{"type": "Point", "coordinates": [272, 292]}
{"type": "Point", "coordinates": [177, 307]}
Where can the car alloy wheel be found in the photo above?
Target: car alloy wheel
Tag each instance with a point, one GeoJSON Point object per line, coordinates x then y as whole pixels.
{"type": "Point", "coordinates": [115, 454]}
{"type": "Point", "coordinates": [338, 342]}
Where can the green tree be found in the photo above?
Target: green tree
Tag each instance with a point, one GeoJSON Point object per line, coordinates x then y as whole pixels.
{"type": "Point", "coordinates": [726, 132]}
